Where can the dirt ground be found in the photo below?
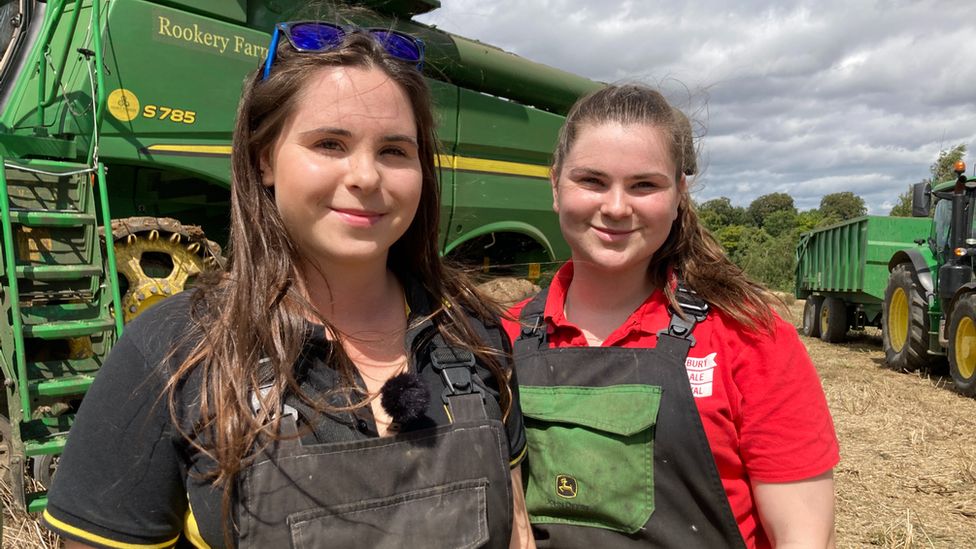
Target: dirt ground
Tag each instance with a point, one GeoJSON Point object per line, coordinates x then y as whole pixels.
{"type": "Point", "coordinates": [907, 477]}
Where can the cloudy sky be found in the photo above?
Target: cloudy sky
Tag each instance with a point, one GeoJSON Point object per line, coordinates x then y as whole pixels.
{"type": "Point", "coordinates": [802, 97]}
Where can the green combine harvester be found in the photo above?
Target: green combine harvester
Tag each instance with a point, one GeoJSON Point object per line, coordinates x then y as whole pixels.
{"type": "Point", "coordinates": [115, 136]}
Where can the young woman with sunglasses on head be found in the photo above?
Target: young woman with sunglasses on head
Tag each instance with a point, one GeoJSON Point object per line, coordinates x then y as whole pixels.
{"type": "Point", "coordinates": [666, 404]}
{"type": "Point", "coordinates": [337, 386]}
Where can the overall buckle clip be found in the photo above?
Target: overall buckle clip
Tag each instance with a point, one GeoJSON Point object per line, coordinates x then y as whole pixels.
{"type": "Point", "coordinates": [691, 305]}
{"type": "Point", "coordinates": [456, 367]}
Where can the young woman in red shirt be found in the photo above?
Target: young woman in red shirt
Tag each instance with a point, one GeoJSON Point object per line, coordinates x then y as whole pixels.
{"type": "Point", "coordinates": [666, 403]}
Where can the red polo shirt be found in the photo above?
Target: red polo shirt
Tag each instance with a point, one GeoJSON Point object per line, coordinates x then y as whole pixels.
{"type": "Point", "coordinates": [758, 394]}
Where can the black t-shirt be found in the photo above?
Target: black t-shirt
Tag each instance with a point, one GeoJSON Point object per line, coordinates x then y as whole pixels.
{"type": "Point", "coordinates": [129, 476]}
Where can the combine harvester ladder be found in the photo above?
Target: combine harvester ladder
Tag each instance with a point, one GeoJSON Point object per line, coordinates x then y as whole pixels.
{"type": "Point", "coordinates": [57, 291]}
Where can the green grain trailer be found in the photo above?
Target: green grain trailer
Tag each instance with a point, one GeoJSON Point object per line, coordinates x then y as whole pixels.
{"type": "Point", "coordinates": [116, 120]}
{"type": "Point", "coordinates": [912, 277]}
{"type": "Point", "coordinates": [842, 271]}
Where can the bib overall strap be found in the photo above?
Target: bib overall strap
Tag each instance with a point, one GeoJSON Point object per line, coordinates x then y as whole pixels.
{"type": "Point", "coordinates": [532, 320]}
{"type": "Point", "coordinates": [288, 413]}
{"type": "Point", "coordinates": [694, 310]}
{"type": "Point", "coordinates": [462, 395]}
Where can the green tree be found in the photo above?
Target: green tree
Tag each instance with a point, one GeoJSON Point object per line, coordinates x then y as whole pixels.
{"type": "Point", "coordinates": [710, 219]}
{"type": "Point", "coordinates": [904, 206]}
{"type": "Point", "coordinates": [944, 167]}
{"type": "Point", "coordinates": [731, 238]}
{"type": "Point", "coordinates": [842, 206]}
{"type": "Point", "coordinates": [808, 220]}
{"type": "Point", "coordinates": [766, 204]}
{"type": "Point", "coordinates": [771, 260]}
{"type": "Point", "coordinates": [780, 223]}
{"type": "Point", "coordinates": [719, 212]}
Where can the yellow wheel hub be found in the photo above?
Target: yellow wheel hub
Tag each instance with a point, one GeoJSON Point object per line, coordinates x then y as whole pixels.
{"type": "Point", "coordinates": [898, 318]}
{"type": "Point", "coordinates": [965, 347]}
{"type": "Point", "coordinates": [148, 288]}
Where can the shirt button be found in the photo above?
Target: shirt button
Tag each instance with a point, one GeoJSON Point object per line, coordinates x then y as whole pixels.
{"type": "Point", "coordinates": [362, 425]}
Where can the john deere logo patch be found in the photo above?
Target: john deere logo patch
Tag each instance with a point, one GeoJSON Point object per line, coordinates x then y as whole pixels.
{"type": "Point", "coordinates": [123, 104]}
{"type": "Point", "coordinates": [566, 486]}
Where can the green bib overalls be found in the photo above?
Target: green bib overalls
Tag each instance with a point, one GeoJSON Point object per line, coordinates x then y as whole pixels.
{"type": "Point", "coordinates": [617, 455]}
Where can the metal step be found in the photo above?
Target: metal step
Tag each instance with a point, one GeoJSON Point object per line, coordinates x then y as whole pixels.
{"type": "Point", "coordinates": [36, 502]}
{"type": "Point", "coordinates": [58, 272]}
{"type": "Point", "coordinates": [38, 218]}
{"type": "Point", "coordinates": [50, 445]}
{"type": "Point", "coordinates": [62, 386]}
{"type": "Point", "coordinates": [69, 328]}
{"type": "Point", "coordinates": [50, 369]}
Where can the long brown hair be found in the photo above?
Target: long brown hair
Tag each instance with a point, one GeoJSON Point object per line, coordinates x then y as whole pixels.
{"type": "Point", "coordinates": [255, 310]}
{"type": "Point", "coordinates": [690, 251]}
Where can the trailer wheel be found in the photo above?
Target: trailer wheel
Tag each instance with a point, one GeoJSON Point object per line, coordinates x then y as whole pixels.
{"type": "Point", "coordinates": [962, 345]}
{"type": "Point", "coordinates": [811, 316]}
{"type": "Point", "coordinates": [833, 320]}
{"type": "Point", "coordinates": [905, 321]}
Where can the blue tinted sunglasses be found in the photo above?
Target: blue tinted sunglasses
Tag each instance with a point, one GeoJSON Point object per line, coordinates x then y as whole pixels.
{"type": "Point", "coordinates": [315, 36]}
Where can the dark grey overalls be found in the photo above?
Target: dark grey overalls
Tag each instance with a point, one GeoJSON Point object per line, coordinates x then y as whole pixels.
{"type": "Point", "coordinates": [617, 455]}
{"type": "Point", "coordinates": [447, 486]}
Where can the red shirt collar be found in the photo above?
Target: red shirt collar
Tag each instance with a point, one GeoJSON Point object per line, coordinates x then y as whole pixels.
{"type": "Point", "coordinates": [638, 323]}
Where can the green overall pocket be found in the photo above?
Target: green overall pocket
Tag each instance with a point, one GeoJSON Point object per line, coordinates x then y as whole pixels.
{"type": "Point", "coordinates": [591, 454]}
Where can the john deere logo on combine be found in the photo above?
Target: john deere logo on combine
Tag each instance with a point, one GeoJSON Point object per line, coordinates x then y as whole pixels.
{"type": "Point", "coordinates": [566, 486]}
{"type": "Point", "coordinates": [123, 104]}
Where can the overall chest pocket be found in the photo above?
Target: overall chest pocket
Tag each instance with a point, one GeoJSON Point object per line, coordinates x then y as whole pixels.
{"type": "Point", "coordinates": [591, 454]}
{"type": "Point", "coordinates": [452, 516]}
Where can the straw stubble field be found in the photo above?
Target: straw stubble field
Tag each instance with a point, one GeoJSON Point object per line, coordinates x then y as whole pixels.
{"type": "Point", "coordinates": [907, 477]}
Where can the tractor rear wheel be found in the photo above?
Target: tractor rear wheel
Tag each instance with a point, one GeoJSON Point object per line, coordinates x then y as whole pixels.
{"type": "Point", "coordinates": [962, 344]}
{"type": "Point", "coordinates": [811, 316]}
{"type": "Point", "coordinates": [905, 321]}
{"type": "Point", "coordinates": [833, 320]}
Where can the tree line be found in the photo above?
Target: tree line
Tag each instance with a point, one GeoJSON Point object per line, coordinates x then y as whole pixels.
{"type": "Point", "coordinates": [762, 237]}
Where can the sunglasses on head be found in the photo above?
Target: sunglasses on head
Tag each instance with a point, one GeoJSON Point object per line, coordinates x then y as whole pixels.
{"type": "Point", "coordinates": [316, 36]}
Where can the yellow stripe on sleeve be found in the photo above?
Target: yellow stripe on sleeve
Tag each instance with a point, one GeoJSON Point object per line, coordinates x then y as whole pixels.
{"type": "Point", "coordinates": [88, 536]}
{"type": "Point", "coordinates": [191, 531]}
{"type": "Point", "coordinates": [513, 463]}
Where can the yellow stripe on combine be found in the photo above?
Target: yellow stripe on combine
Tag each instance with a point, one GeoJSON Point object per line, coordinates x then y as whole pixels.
{"type": "Point", "coordinates": [223, 150]}
{"type": "Point", "coordinates": [454, 162]}
{"type": "Point", "coordinates": [501, 167]}
{"type": "Point", "coordinates": [69, 529]}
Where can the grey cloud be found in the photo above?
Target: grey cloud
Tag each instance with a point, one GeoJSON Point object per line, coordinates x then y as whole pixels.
{"type": "Point", "coordinates": [801, 97]}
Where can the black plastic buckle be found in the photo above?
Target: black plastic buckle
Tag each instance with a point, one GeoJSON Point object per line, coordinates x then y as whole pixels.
{"type": "Point", "coordinates": [532, 331]}
{"type": "Point", "coordinates": [693, 306]}
{"type": "Point", "coordinates": [456, 367]}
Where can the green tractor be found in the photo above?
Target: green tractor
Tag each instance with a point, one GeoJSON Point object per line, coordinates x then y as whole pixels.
{"type": "Point", "coordinates": [930, 303]}
{"type": "Point", "coordinates": [910, 276]}
{"type": "Point", "coordinates": [115, 136]}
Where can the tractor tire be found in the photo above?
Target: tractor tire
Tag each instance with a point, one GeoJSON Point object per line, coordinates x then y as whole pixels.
{"type": "Point", "coordinates": [43, 468]}
{"type": "Point", "coordinates": [157, 257]}
{"type": "Point", "coordinates": [811, 316]}
{"type": "Point", "coordinates": [833, 320]}
{"type": "Point", "coordinates": [962, 345]}
{"type": "Point", "coordinates": [905, 321]}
